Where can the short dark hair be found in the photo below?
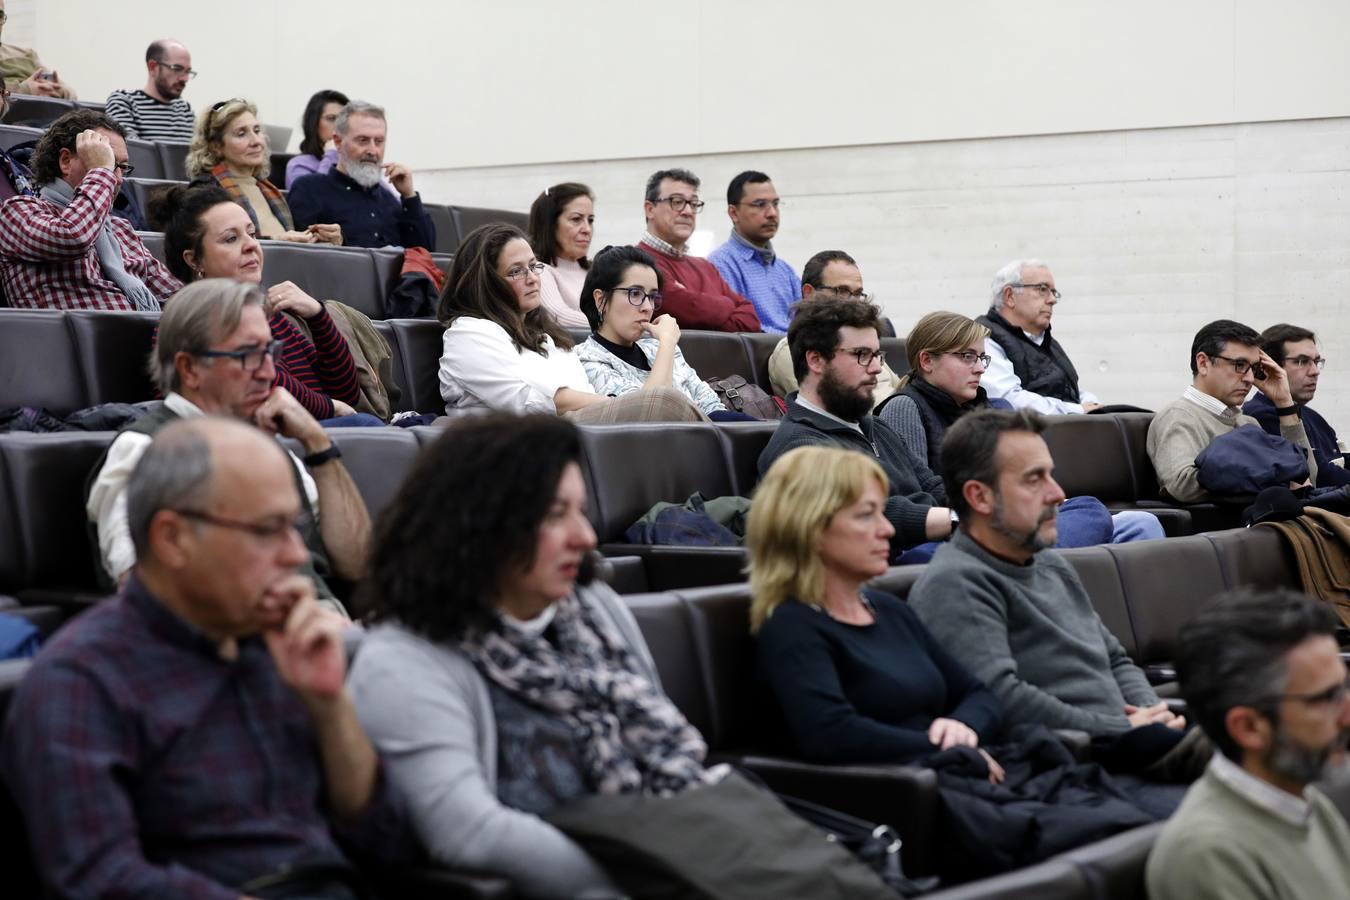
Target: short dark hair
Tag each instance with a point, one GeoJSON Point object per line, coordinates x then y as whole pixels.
{"type": "Point", "coordinates": [816, 323]}
{"type": "Point", "coordinates": [177, 210]}
{"type": "Point", "coordinates": [469, 510]}
{"type": "Point", "coordinates": [814, 270]}
{"type": "Point", "coordinates": [654, 183]}
{"type": "Point", "coordinates": [736, 190]}
{"type": "Point", "coordinates": [473, 288]}
{"type": "Point", "coordinates": [607, 273]}
{"type": "Point", "coordinates": [544, 215]}
{"type": "Point", "coordinates": [970, 449]}
{"type": "Point", "coordinates": [309, 120]}
{"type": "Point", "coordinates": [1232, 653]}
{"type": "Point", "coordinates": [61, 135]}
{"type": "Point", "coordinates": [1275, 337]}
{"type": "Point", "coordinates": [1211, 339]}
{"type": "Point", "coordinates": [156, 50]}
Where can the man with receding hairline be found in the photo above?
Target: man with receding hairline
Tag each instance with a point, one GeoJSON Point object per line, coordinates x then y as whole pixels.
{"type": "Point", "coordinates": [158, 111]}
{"type": "Point", "coordinates": [192, 736]}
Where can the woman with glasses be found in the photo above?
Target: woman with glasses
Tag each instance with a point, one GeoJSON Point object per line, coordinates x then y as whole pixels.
{"type": "Point", "coordinates": [562, 220]}
{"type": "Point", "coordinates": [208, 235]}
{"type": "Point", "coordinates": [631, 348]}
{"type": "Point", "coordinates": [503, 351]}
{"type": "Point", "coordinates": [317, 153]}
{"type": "Point", "coordinates": [230, 149]}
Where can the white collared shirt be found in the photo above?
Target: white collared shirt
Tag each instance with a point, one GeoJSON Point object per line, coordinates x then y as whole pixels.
{"type": "Point", "coordinates": [1281, 804]}
{"type": "Point", "coordinates": [1000, 381]}
{"type": "Point", "coordinates": [1209, 404]}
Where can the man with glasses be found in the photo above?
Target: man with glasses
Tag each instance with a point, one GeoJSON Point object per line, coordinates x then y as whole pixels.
{"type": "Point", "coordinates": [64, 249]}
{"type": "Point", "coordinates": [158, 112]}
{"type": "Point", "coordinates": [1262, 675]}
{"type": "Point", "coordinates": [836, 352]}
{"type": "Point", "coordinates": [1028, 367]}
{"type": "Point", "coordinates": [1226, 361]}
{"type": "Point", "coordinates": [747, 260]}
{"type": "Point", "coordinates": [192, 736]}
{"type": "Point", "coordinates": [696, 294]}
{"type": "Point", "coordinates": [1296, 350]}
{"type": "Point", "coordinates": [214, 355]}
{"type": "Point", "coordinates": [828, 273]}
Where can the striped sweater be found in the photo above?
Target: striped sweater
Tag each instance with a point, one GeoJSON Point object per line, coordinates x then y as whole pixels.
{"type": "Point", "coordinates": [313, 372]}
{"type": "Point", "coordinates": [147, 119]}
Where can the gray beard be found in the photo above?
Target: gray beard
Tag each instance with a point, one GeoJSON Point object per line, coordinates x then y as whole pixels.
{"type": "Point", "coordinates": [1031, 541]}
{"type": "Point", "coordinates": [365, 174]}
{"type": "Point", "coordinates": [1303, 765]}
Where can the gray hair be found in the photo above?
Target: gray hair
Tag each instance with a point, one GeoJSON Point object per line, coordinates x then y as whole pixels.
{"type": "Point", "coordinates": [174, 473]}
{"type": "Point", "coordinates": [1010, 274]}
{"type": "Point", "coordinates": [357, 108]}
{"type": "Point", "coordinates": [654, 182]}
{"type": "Point", "coordinates": [195, 318]}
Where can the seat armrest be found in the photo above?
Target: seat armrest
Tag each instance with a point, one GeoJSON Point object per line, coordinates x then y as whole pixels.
{"type": "Point", "coordinates": [1177, 705]}
{"type": "Point", "coordinates": [431, 882]}
{"type": "Point", "coordinates": [1160, 673]}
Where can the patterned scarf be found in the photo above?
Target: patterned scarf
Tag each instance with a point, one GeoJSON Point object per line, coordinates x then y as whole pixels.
{"type": "Point", "coordinates": [632, 737]}
{"type": "Point", "coordinates": [225, 179]}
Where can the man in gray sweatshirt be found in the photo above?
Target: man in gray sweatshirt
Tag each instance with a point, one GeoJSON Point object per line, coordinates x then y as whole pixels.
{"type": "Point", "coordinates": [1013, 611]}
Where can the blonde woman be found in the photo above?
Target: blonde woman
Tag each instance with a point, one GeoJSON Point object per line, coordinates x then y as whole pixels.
{"type": "Point", "coordinates": [230, 149]}
{"type": "Point", "coordinates": [856, 674]}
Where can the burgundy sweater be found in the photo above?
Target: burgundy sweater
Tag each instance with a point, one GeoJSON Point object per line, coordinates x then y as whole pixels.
{"type": "Point", "coordinates": [697, 296]}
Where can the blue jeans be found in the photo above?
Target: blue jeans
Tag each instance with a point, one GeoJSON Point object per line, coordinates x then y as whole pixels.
{"type": "Point", "coordinates": [357, 420]}
{"type": "Point", "coordinates": [1136, 525]}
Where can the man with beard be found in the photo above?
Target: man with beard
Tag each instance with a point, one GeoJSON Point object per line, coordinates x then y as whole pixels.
{"type": "Point", "coordinates": [836, 355]}
{"type": "Point", "coordinates": [1263, 676]}
{"type": "Point", "coordinates": [158, 112]}
{"type": "Point", "coordinates": [747, 260]}
{"type": "Point", "coordinates": [351, 195]}
{"type": "Point", "coordinates": [1014, 612]}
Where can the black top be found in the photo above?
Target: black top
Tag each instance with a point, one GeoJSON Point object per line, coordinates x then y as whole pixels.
{"type": "Point", "coordinates": [867, 693]}
{"type": "Point", "coordinates": [632, 355]}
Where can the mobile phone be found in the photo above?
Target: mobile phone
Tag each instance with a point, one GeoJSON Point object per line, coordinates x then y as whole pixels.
{"type": "Point", "coordinates": [46, 75]}
{"type": "Point", "coordinates": [1259, 372]}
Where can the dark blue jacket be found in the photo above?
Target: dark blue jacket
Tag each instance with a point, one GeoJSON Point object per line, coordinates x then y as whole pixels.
{"type": "Point", "coordinates": [1321, 437]}
{"type": "Point", "coordinates": [1246, 460]}
{"type": "Point", "coordinates": [370, 217]}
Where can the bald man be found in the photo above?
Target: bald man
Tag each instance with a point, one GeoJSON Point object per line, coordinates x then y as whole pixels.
{"type": "Point", "coordinates": [158, 111]}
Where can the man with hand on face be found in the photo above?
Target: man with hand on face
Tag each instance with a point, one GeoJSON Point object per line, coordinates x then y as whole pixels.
{"type": "Point", "coordinates": [215, 356]}
{"type": "Point", "coordinates": [1015, 614]}
{"type": "Point", "coordinates": [64, 249]}
{"type": "Point", "coordinates": [158, 112]}
{"type": "Point", "coordinates": [351, 194]}
{"type": "Point", "coordinates": [192, 736]}
{"type": "Point", "coordinates": [1226, 361]}
{"type": "Point", "coordinates": [747, 260]}
{"type": "Point", "coordinates": [1262, 674]}
{"type": "Point", "coordinates": [695, 293]}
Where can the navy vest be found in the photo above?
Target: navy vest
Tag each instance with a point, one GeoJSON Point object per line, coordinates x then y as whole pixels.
{"type": "Point", "coordinates": [1043, 370]}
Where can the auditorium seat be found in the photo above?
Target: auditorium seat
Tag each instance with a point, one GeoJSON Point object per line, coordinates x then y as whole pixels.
{"type": "Point", "coordinates": [1054, 879]}
{"type": "Point", "coordinates": [397, 375]}
{"type": "Point", "coordinates": [448, 235]}
{"type": "Point", "coordinates": [113, 349]}
{"type": "Point", "coordinates": [894, 348]}
{"type": "Point", "coordinates": [1096, 568]}
{"type": "Point", "coordinates": [173, 160]}
{"type": "Point", "coordinates": [345, 274]}
{"type": "Point", "coordinates": [1204, 516]}
{"type": "Point", "coordinates": [277, 168]}
{"type": "Point", "coordinates": [1258, 558]}
{"type": "Point", "coordinates": [467, 218]}
{"type": "Point", "coordinates": [34, 111]}
{"type": "Point", "coordinates": [744, 442]}
{"type": "Point", "coordinates": [14, 135]}
{"type": "Point", "coordinates": [716, 354]}
{"type": "Point", "coordinates": [1165, 583]}
{"type": "Point", "coordinates": [145, 159]}
{"type": "Point", "coordinates": [38, 366]}
{"type": "Point", "coordinates": [758, 348]}
{"type": "Point", "coordinates": [419, 349]}
{"type": "Point", "coordinates": [1114, 868]}
{"type": "Point", "coordinates": [142, 186]}
{"type": "Point", "coordinates": [154, 242]}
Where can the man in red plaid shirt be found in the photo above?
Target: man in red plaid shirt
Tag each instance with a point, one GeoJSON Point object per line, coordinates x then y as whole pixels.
{"type": "Point", "coordinates": [64, 249]}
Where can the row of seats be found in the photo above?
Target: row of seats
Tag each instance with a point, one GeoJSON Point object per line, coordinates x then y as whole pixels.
{"type": "Point", "coordinates": [39, 112]}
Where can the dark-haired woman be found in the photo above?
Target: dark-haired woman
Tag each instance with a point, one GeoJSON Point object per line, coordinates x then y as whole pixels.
{"type": "Point", "coordinates": [632, 348]}
{"type": "Point", "coordinates": [562, 220]}
{"type": "Point", "coordinates": [500, 683]}
{"type": "Point", "coordinates": [208, 235]}
{"type": "Point", "coordinates": [503, 351]}
{"type": "Point", "coordinates": [317, 153]}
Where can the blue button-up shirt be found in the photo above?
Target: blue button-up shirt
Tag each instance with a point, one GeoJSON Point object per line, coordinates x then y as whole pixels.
{"type": "Point", "coordinates": [370, 217]}
{"type": "Point", "coordinates": [148, 766]}
{"type": "Point", "coordinates": [759, 275]}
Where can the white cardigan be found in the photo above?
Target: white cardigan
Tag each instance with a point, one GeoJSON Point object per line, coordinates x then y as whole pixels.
{"type": "Point", "coordinates": [481, 370]}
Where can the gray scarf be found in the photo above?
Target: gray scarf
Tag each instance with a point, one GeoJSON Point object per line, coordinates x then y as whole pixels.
{"type": "Point", "coordinates": [109, 253]}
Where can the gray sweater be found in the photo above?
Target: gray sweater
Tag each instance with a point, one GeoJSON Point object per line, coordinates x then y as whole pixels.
{"type": "Point", "coordinates": [428, 712]}
{"type": "Point", "coordinates": [1030, 633]}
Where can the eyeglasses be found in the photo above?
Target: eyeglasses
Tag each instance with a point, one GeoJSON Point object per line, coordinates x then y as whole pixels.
{"type": "Point", "coordinates": [969, 357]}
{"type": "Point", "coordinates": [637, 296]}
{"type": "Point", "coordinates": [177, 69]}
{"type": "Point", "coordinates": [1304, 362]}
{"type": "Point", "coordinates": [250, 358]}
{"type": "Point", "coordinates": [678, 203]}
{"type": "Point", "coordinates": [864, 355]}
{"type": "Point", "coordinates": [515, 273]}
{"type": "Point", "coordinates": [267, 531]}
{"type": "Point", "coordinates": [845, 292]}
{"type": "Point", "coordinates": [125, 168]}
{"type": "Point", "coordinates": [1333, 696]}
{"type": "Point", "coordinates": [762, 205]}
{"type": "Point", "coordinates": [1041, 288]}
{"type": "Point", "coordinates": [1242, 366]}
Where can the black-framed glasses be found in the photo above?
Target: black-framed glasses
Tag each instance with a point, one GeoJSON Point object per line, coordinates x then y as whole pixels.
{"type": "Point", "coordinates": [1242, 366]}
{"type": "Point", "coordinates": [968, 357]}
{"type": "Point", "coordinates": [177, 69]}
{"type": "Point", "coordinates": [125, 168]}
{"type": "Point", "coordinates": [1328, 697]}
{"type": "Point", "coordinates": [864, 296]}
{"type": "Point", "coordinates": [1039, 287]}
{"type": "Point", "coordinates": [515, 273]}
{"type": "Point", "coordinates": [251, 358]}
{"type": "Point", "coordinates": [762, 205]}
{"type": "Point", "coordinates": [678, 203]}
{"type": "Point", "coordinates": [267, 531]}
{"type": "Point", "coordinates": [864, 355]}
{"type": "Point", "coordinates": [638, 296]}
{"type": "Point", "coordinates": [1304, 362]}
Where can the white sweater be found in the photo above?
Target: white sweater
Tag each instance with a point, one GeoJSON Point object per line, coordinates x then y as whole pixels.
{"type": "Point", "coordinates": [481, 370]}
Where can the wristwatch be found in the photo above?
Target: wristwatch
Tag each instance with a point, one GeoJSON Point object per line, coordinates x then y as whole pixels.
{"type": "Point", "coordinates": [323, 456]}
{"type": "Point", "coordinates": [1290, 410]}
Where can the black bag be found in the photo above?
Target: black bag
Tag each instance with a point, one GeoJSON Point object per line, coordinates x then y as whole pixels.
{"type": "Point", "coordinates": [740, 396]}
{"type": "Point", "coordinates": [724, 841]}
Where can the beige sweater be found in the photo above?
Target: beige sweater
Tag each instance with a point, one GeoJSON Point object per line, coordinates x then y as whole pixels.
{"type": "Point", "coordinates": [1182, 430]}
